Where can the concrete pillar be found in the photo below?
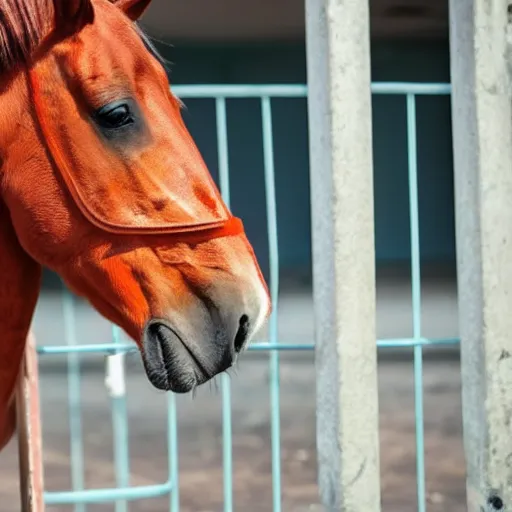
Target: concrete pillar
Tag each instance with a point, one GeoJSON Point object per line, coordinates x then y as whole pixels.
{"type": "Point", "coordinates": [341, 170]}
{"type": "Point", "coordinates": [482, 135]}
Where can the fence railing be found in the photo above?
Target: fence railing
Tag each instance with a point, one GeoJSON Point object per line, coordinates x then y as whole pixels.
{"type": "Point", "coordinates": [115, 349]}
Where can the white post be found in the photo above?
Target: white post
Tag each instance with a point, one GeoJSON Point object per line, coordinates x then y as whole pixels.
{"type": "Point", "coordinates": [341, 172]}
{"type": "Point", "coordinates": [482, 133]}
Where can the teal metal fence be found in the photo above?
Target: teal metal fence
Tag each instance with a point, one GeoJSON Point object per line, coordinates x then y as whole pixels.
{"type": "Point", "coordinates": [115, 350]}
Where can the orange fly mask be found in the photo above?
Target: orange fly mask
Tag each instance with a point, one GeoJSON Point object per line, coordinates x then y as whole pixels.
{"type": "Point", "coordinates": [102, 183]}
{"type": "Point", "coordinates": [119, 195]}
{"type": "Point", "coordinates": [183, 201]}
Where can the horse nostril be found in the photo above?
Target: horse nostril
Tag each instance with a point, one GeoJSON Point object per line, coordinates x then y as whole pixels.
{"type": "Point", "coordinates": [241, 335]}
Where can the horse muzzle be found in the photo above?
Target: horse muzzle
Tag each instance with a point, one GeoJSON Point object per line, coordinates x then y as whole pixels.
{"type": "Point", "coordinates": [173, 363]}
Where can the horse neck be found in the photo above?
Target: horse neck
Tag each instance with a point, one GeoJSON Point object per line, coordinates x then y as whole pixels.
{"type": "Point", "coordinates": [20, 278]}
{"type": "Point", "coordinates": [16, 111]}
{"type": "Point", "coordinates": [19, 274]}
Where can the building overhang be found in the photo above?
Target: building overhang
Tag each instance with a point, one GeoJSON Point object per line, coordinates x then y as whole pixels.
{"type": "Point", "coordinates": [264, 20]}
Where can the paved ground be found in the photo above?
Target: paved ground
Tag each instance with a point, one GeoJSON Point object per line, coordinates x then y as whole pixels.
{"type": "Point", "coordinates": [200, 433]}
{"type": "Point", "coordinates": [200, 427]}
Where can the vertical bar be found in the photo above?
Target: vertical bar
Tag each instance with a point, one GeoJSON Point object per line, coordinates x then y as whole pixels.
{"type": "Point", "coordinates": [412, 156]}
{"type": "Point", "coordinates": [74, 411]}
{"type": "Point", "coordinates": [120, 420]}
{"type": "Point", "coordinates": [482, 140]}
{"type": "Point", "coordinates": [227, 446]}
{"type": "Point", "coordinates": [172, 443]}
{"type": "Point", "coordinates": [341, 173]}
{"type": "Point", "coordinates": [270, 194]}
{"type": "Point", "coordinates": [227, 443]}
{"type": "Point", "coordinates": [28, 425]}
{"type": "Point", "coordinates": [222, 149]}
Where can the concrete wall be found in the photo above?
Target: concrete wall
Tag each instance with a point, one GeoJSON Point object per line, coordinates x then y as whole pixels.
{"type": "Point", "coordinates": [285, 63]}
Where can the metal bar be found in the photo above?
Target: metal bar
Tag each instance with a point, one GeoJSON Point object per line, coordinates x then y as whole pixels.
{"type": "Point", "coordinates": [74, 410]}
{"type": "Point", "coordinates": [299, 90]}
{"type": "Point", "coordinates": [227, 441]}
{"type": "Point", "coordinates": [222, 149]}
{"type": "Point", "coordinates": [341, 173]}
{"type": "Point", "coordinates": [482, 135]}
{"type": "Point", "coordinates": [427, 89]}
{"type": "Point", "coordinates": [117, 391]}
{"type": "Point", "coordinates": [172, 442]}
{"type": "Point", "coordinates": [239, 91]}
{"type": "Point", "coordinates": [383, 343]}
{"type": "Point", "coordinates": [91, 496]}
{"type": "Point", "coordinates": [101, 348]}
{"type": "Point", "coordinates": [412, 154]}
{"type": "Point", "coordinates": [28, 423]}
{"type": "Point", "coordinates": [270, 194]}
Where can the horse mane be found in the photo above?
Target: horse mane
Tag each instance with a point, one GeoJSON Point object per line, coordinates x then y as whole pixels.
{"type": "Point", "coordinates": [23, 25]}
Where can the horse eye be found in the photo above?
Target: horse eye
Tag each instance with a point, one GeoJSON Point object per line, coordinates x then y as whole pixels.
{"type": "Point", "coordinates": [114, 115]}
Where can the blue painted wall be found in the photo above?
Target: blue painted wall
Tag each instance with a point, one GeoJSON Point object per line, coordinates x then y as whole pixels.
{"type": "Point", "coordinates": [285, 63]}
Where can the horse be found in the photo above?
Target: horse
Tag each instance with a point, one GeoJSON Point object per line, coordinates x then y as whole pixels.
{"type": "Point", "coordinates": [102, 183]}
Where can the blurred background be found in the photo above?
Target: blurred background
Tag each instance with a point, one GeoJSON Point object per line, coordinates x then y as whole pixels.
{"type": "Point", "coordinates": [240, 42]}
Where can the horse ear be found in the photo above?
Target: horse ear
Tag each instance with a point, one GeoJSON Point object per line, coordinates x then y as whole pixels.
{"type": "Point", "coordinates": [72, 15]}
{"type": "Point", "coordinates": [134, 9]}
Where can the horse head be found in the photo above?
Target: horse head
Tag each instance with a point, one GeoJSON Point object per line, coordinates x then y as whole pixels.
{"type": "Point", "coordinates": [102, 183]}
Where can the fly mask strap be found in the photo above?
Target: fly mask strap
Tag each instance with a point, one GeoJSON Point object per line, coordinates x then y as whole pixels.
{"type": "Point", "coordinates": [196, 233]}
